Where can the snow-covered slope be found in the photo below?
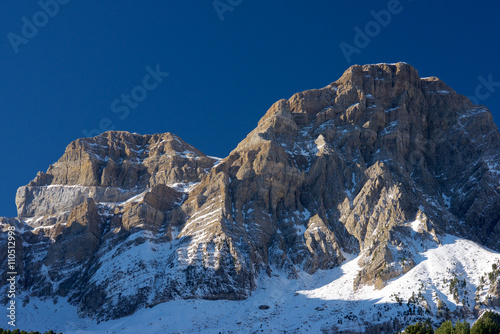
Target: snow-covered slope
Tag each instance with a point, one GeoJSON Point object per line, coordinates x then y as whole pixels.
{"type": "Point", "coordinates": [324, 301]}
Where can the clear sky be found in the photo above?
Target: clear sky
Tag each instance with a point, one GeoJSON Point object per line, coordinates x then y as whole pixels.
{"type": "Point", "coordinates": [67, 70]}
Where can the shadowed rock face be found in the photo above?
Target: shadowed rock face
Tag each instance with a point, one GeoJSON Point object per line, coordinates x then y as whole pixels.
{"type": "Point", "coordinates": [354, 167]}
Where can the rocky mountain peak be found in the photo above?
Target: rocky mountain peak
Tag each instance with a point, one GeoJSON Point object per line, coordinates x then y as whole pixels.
{"type": "Point", "coordinates": [113, 148]}
{"type": "Point", "coordinates": [112, 167]}
{"type": "Point", "coordinates": [385, 83]}
{"type": "Point", "coordinates": [380, 164]}
{"type": "Point", "coordinates": [375, 149]}
{"type": "Point", "coordinates": [399, 74]}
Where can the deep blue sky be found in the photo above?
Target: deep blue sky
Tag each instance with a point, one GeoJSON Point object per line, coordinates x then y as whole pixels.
{"type": "Point", "coordinates": [224, 75]}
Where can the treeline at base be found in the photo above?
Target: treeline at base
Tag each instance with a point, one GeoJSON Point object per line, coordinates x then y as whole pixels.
{"type": "Point", "coordinates": [489, 323]}
{"type": "Point", "coordinates": [18, 331]}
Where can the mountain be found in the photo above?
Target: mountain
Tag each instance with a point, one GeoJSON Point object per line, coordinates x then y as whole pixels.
{"type": "Point", "coordinates": [378, 181]}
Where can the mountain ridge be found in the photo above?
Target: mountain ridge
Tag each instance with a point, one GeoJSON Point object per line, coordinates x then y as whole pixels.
{"type": "Point", "coordinates": [377, 163]}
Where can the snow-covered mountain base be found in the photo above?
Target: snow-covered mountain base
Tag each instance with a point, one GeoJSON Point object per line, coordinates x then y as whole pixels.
{"type": "Point", "coordinates": [323, 302]}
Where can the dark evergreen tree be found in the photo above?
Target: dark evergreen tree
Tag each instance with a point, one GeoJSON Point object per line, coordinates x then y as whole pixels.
{"type": "Point", "coordinates": [445, 328]}
{"type": "Point", "coordinates": [462, 327]}
{"type": "Point", "coordinates": [488, 324]}
{"type": "Point", "coordinates": [420, 328]}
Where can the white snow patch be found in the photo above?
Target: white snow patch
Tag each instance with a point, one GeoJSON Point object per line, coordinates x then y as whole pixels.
{"type": "Point", "coordinates": [392, 109]}
{"type": "Point", "coordinates": [417, 225]}
{"type": "Point", "coordinates": [447, 200]}
{"type": "Point", "coordinates": [300, 229]}
{"type": "Point", "coordinates": [390, 128]}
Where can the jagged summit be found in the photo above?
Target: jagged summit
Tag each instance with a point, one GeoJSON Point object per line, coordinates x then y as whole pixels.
{"type": "Point", "coordinates": [380, 164]}
{"type": "Point", "coordinates": [111, 167]}
{"type": "Point", "coordinates": [390, 80]}
{"type": "Point", "coordinates": [112, 147]}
